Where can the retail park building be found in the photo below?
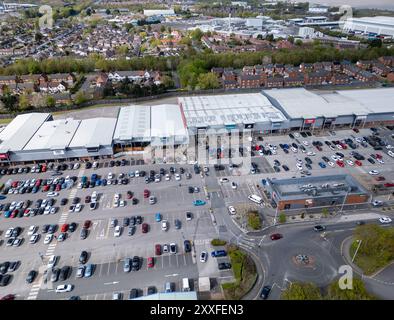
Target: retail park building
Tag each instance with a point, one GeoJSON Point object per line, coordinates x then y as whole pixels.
{"type": "Point", "coordinates": [38, 137]}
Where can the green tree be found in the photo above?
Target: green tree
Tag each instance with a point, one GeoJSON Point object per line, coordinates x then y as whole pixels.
{"type": "Point", "coordinates": [208, 81]}
{"type": "Point", "coordinates": [282, 217]}
{"type": "Point", "coordinates": [10, 101]}
{"type": "Point", "coordinates": [122, 50]}
{"type": "Point", "coordinates": [167, 81]}
{"type": "Point", "coordinates": [24, 102]}
{"type": "Point", "coordinates": [162, 28]}
{"type": "Point", "coordinates": [298, 42]}
{"type": "Point", "coordinates": [375, 43]}
{"type": "Point", "coordinates": [302, 291]}
{"type": "Point", "coordinates": [196, 34]}
{"type": "Point", "coordinates": [50, 101]}
{"type": "Point", "coordinates": [358, 292]}
{"type": "Point", "coordinates": [80, 98]}
{"type": "Point", "coordinates": [269, 37]}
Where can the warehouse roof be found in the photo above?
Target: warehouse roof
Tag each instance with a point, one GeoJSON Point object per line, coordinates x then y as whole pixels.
{"type": "Point", "coordinates": [300, 103]}
{"type": "Point", "coordinates": [167, 121]}
{"type": "Point", "coordinates": [93, 133]}
{"type": "Point", "coordinates": [229, 109]}
{"type": "Point", "coordinates": [133, 122]}
{"type": "Point", "coordinates": [20, 130]}
{"type": "Point", "coordinates": [54, 135]}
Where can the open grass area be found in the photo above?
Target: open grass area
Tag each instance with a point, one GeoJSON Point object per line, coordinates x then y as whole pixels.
{"type": "Point", "coordinates": [244, 272]}
{"type": "Point", "coordinates": [5, 121]}
{"type": "Point", "coordinates": [376, 250]}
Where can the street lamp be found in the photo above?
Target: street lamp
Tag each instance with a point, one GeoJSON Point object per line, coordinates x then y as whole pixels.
{"type": "Point", "coordinates": [358, 247]}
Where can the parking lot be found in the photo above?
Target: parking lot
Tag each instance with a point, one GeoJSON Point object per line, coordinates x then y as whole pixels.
{"type": "Point", "coordinates": [106, 251]}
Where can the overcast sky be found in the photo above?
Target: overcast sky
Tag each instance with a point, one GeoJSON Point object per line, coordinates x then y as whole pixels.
{"type": "Point", "coordinates": [384, 4]}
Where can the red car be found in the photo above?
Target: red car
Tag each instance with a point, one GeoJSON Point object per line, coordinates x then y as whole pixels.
{"type": "Point", "coordinates": [86, 224]}
{"type": "Point", "coordinates": [144, 227]}
{"type": "Point", "coordinates": [14, 213]}
{"type": "Point", "coordinates": [45, 188]}
{"type": "Point", "coordinates": [38, 183]}
{"type": "Point", "coordinates": [151, 262]}
{"type": "Point", "coordinates": [64, 228]}
{"type": "Point", "coordinates": [319, 148]}
{"type": "Point", "coordinates": [389, 185]}
{"type": "Point", "coordinates": [158, 249]}
{"type": "Point", "coordinates": [276, 236]}
{"type": "Point", "coordinates": [58, 187]}
{"type": "Point", "coordinates": [26, 213]}
{"type": "Point", "coordinates": [358, 162]}
{"type": "Point", "coordinates": [378, 156]}
{"type": "Point", "coordinates": [380, 178]}
{"type": "Point", "coordinates": [257, 148]}
{"type": "Point", "coordinates": [340, 163]}
{"type": "Point", "coordinates": [356, 130]}
{"type": "Point", "coordinates": [8, 297]}
{"type": "Point", "coordinates": [44, 168]}
{"type": "Point", "coordinates": [146, 193]}
{"type": "Point", "coordinates": [14, 184]}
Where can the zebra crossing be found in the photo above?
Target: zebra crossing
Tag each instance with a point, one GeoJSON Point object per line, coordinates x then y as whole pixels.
{"type": "Point", "coordinates": [51, 247]}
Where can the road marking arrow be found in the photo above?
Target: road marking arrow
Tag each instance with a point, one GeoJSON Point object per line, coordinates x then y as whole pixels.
{"type": "Point", "coordinates": [107, 283]}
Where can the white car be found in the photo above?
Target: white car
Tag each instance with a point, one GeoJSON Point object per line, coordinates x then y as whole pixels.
{"type": "Point", "coordinates": [137, 173]}
{"type": "Point", "coordinates": [385, 220]}
{"type": "Point", "coordinates": [273, 152]}
{"type": "Point", "coordinates": [205, 169]}
{"type": "Point", "coordinates": [296, 134]}
{"type": "Point", "coordinates": [78, 207]}
{"type": "Point", "coordinates": [117, 231]}
{"type": "Point", "coordinates": [48, 238]}
{"type": "Point", "coordinates": [359, 140]}
{"type": "Point", "coordinates": [295, 150]}
{"type": "Point", "coordinates": [64, 288]}
{"type": "Point", "coordinates": [79, 186]}
{"type": "Point", "coordinates": [261, 152]}
{"type": "Point", "coordinates": [52, 194]}
{"type": "Point", "coordinates": [203, 256]}
{"type": "Point", "coordinates": [34, 238]}
{"type": "Point", "coordinates": [331, 164]}
{"type": "Point", "coordinates": [390, 153]}
{"type": "Point", "coordinates": [164, 225]}
{"type": "Point", "coordinates": [32, 230]}
{"type": "Point", "coordinates": [331, 147]}
{"type": "Point", "coordinates": [334, 157]}
{"type": "Point", "coordinates": [311, 153]}
{"type": "Point", "coordinates": [350, 162]}
{"type": "Point", "coordinates": [76, 166]}
{"type": "Point", "coordinates": [52, 261]}
{"type": "Point", "coordinates": [53, 210]}
{"type": "Point", "coordinates": [177, 176]}
{"type": "Point", "coordinates": [167, 178]}
{"type": "Point", "coordinates": [373, 172]}
{"type": "Point", "coordinates": [299, 161]}
{"type": "Point", "coordinates": [116, 196]}
{"type": "Point", "coordinates": [122, 203]}
{"type": "Point", "coordinates": [377, 203]}
{"type": "Point", "coordinates": [95, 164]}
{"type": "Point", "coordinates": [339, 146]}
{"type": "Point", "coordinates": [380, 160]}
{"type": "Point", "coordinates": [223, 180]}
{"type": "Point", "coordinates": [9, 232]}
{"type": "Point", "coordinates": [233, 185]}
{"type": "Point", "coordinates": [110, 176]}
{"type": "Point", "coordinates": [232, 210]}
{"type": "Point", "coordinates": [94, 196]}
{"type": "Point", "coordinates": [116, 204]}
{"type": "Point", "coordinates": [389, 146]}
{"type": "Point", "coordinates": [305, 143]}
{"type": "Point", "coordinates": [47, 210]}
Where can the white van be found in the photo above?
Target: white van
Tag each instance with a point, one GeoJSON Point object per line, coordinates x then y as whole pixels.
{"type": "Point", "coordinates": [255, 198]}
{"type": "Point", "coordinates": [185, 285]}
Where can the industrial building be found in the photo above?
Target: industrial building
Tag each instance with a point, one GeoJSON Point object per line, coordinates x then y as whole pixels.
{"type": "Point", "coordinates": [379, 25]}
{"type": "Point", "coordinates": [316, 191]}
{"type": "Point", "coordinates": [159, 12]}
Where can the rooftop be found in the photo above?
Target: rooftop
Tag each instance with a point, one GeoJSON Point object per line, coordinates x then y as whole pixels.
{"type": "Point", "coordinates": [133, 122]}
{"type": "Point", "coordinates": [229, 109]}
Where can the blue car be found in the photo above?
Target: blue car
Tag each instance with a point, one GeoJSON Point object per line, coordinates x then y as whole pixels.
{"type": "Point", "coordinates": [7, 214]}
{"type": "Point", "coordinates": [199, 202]}
{"type": "Point", "coordinates": [35, 189]}
{"type": "Point", "coordinates": [98, 183]}
{"type": "Point", "coordinates": [158, 217]}
{"type": "Point", "coordinates": [104, 182]}
{"type": "Point", "coordinates": [322, 165]}
{"type": "Point", "coordinates": [3, 197]}
{"type": "Point", "coordinates": [218, 253]}
{"type": "Point", "coordinates": [64, 185]}
{"type": "Point", "coordinates": [93, 177]}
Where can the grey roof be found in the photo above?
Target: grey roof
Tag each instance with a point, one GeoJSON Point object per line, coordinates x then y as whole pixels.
{"type": "Point", "coordinates": [20, 130]}
{"type": "Point", "coordinates": [93, 133]}
{"type": "Point", "coordinates": [217, 110]}
{"type": "Point", "coordinates": [134, 122]}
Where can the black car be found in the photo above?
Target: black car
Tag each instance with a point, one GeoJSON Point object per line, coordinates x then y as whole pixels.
{"type": "Point", "coordinates": [131, 230]}
{"type": "Point", "coordinates": [123, 162]}
{"type": "Point", "coordinates": [308, 166]}
{"type": "Point", "coordinates": [151, 290]}
{"type": "Point", "coordinates": [132, 220]}
{"type": "Point", "coordinates": [265, 292]}
{"type": "Point", "coordinates": [142, 173]}
{"type": "Point", "coordinates": [181, 170]}
{"type": "Point", "coordinates": [286, 168]}
{"type": "Point", "coordinates": [340, 154]}
{"type": "Point", "coordinates": [45, 228]}
{"type": "Point", "coordinates": [190, 189]}
{"type": "Point", "coordinates": [111, 163]}
{"type": "Point", "coordinates": [162, 171]}
{"type": "Point", "coordinates": [135, 263]}
{"type": "Point", "coordinates": [117, 163]}
{"type": "Point", "coordinates": [4, 267]}
{"type": "Point", "coordinates": [5, 280]}
{"type": "Point", "coordinates": [72, 227]}
{"type": "Point", "coordinates": [83, 257]}
{"type": "Point", "coordinates": [31, 276]}
{"type": "Point", "coordinates": [14, 265]}
{"type": "Point", "coordinates": [224, 265]}
{"type": "Point", "coordinates": [319, 228]}
{"type": "Point", "coordinates": [276, 162]}
{"type": "Point", "coordinates": [187, 245]}
{"type": "Point", "coordinates": [64, 273]}
{"type": "Point", "coordinates": [88, 165]}
{"type": "Point", "coordinates": [16, 232]}
{"type": "Point", "coordinates": [133, 294]}
{"type": "Point", "coordinates": [126, 222]}
{"type": "Point", "coordinates": [371, 160]}
{"type": "Point", "coordinates": [291, 135]}
{"type": "Point", "coordinates": [55, 274]}
{"type": "Point", "coordinates": [277, 169]}
{"type": "Point", "coordinates": [52, 228]}
{"type": "Point", "coordinates": [84, 234]}
{"type": "Point", "coordinates": [138, 219]}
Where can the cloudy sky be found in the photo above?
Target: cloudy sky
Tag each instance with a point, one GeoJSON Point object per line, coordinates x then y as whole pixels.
{"type": "Point", "coordinates": [384, 4]}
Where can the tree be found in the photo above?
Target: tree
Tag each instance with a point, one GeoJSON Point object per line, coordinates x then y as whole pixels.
{"type": "Point", "coordinates": [196, 34]}
{"type": "Point", "coordinates": [162, 28]}
{"type": "Point", "coordinates": [298, 42]}
{"type": "Point", "coordinates": [24, 102]}
{"type": "Point", "coordinates": [80, 98]}
{"type": "Point", "coordinates": [282, 218]}
{"type": "Point", "coordinates": [107, 11]}
{"type": "Point", "coordinates": [358, 292]}
{"type": "Point", "coordinates": [301, 291]}
{"type": "Point", "coordinates": [167, 81]}
{"type": "Point", "coordinates": [269, 37]}
{"type": "Point", "coordinates": [10, 101]}
{"type": "Point", "coordinates": [375, 43]}
{"type": "Point", "coordinates": [50, 101]}
{"type": "Point", "coordinates": [208, 81]}
{"type": "Point", "coordinates": [88, 12]}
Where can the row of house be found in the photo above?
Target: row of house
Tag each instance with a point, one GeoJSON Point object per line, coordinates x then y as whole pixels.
{"type": "Point", "coordinates": [138, 76]}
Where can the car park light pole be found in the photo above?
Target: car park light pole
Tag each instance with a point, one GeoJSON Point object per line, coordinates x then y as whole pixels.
{"type": "Point", "coordinates": [358, 247]}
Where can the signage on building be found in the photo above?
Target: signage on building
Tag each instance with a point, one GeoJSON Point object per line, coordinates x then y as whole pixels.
{"type": "Point", "coordinates": [3, 156]}
{"type": "Point", "coordinates": [309, 121]}
{"type": "Point", "coordinates": [249, 126]}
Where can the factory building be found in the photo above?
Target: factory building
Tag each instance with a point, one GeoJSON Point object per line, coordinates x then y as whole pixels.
{"type": "Point", "coordinates": [371, 25]}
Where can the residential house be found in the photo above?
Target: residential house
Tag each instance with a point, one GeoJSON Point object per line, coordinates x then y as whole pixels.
{"type": "Point", "coordinates": [381, 69]}
{"type": "Point", "coordinates": [390, 76]}
{"type": "Point", "coordinates": [269, 69]}
{"type": "Point", "coordinates": [217, 71]}
{"type": "Point", "coordinates": [249, 80]}
{"type": "Point", "coordinates": [248, 70]}
{"type": "Point", "coordinates": [101, 80]}
{"type": "Point", "coordinates": [317, 77]}
{"type": "Point", "coordinates": [8, 80]}
{"type": "Point", "coordinates": [327, 65]}
{"type": "Point", "coordinates": [364, 64]}
{"type": "Point", "coordinates": [365, 76]}
{"type": "Point", "coordinates": [306, 67]}
{"type": "Point", "coordinates": [294, 80]}
{"type": "Point", "coordinates": [339, 79]}
{"type": "Point", "coordinates": [387, 60]}
{"type": "Point", "coordinates": [229, 74]}
{"type": "Point", "coordinates": [279, 68]}
{"type": "Point", "coordinates": [318, 66]}
{"type": "Point", "coordinates": [275, 81]}
{"type": "Point", "coordinates": [350, 70]}
{"type": "Point", "coordinates": [230, 84]}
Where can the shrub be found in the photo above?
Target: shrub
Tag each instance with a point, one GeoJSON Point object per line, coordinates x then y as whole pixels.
{"type": "Point", "coordinates": [282, 218]}
{"type": "Point", "coordinates": [254, 220]}
{"type": "Point", "coordinates": [218, 242]}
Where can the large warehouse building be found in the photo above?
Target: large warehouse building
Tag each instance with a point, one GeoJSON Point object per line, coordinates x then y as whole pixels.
{"type": "Point", "coordinates": [37, 137]}
{"type": "Point", "coordinates": [371, 25]}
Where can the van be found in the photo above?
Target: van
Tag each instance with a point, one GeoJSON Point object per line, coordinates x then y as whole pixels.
{"type": "Point", "coordinates": [255, 198]}
{"type": "Point", "coordinates": [168, 287]}
{"type": "Point", "coordinates": [185, 285]}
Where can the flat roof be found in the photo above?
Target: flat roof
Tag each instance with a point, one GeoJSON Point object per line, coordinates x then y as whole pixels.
{"type": "Point", "coordinates": [54, 135]}
{"type": "Point", "coordinates": [20, 130]}
{"type": "Point", "coordinates": [133, 122]}
{"type": "Point", "coordinates": [93, 133]}
{"type": "Point", "coordinates": [232, 108]}
{"type": "Point", "coordinates": [301, 103]}
{"type": "Point", "coordinates": [167, 121]}
{"type": "Point", "coordinates": [377, 19]}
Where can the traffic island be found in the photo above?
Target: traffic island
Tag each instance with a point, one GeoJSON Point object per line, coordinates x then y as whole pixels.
{"type": "Point", "coordinates": [245, 274]}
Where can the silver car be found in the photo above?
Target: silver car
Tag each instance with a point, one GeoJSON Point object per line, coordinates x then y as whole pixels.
{"type": "Point", "coordinates": [127, 265]}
